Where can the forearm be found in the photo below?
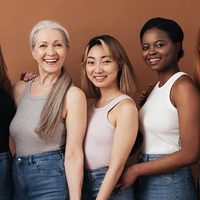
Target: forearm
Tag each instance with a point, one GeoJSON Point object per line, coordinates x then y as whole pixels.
{"type": "Point", "coordinates": [109, 183]}
{"type": "Point", "coordinates": [165, 164]}
{"type": "Point", "coordinates": [74, 173]}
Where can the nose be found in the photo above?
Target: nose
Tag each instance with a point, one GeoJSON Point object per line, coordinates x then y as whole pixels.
{"type": "Point", "coordinates": [152, 51]}
{"type": "Point", "coordinates": [98, 68]}
{"type": "Point", "coordinates": [50, 51]}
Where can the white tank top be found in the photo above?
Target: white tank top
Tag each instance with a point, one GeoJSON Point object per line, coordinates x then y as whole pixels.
{"type": "Point", "coordinates": [99, 136]}
{"type": "Point", "coordinates": [158, 121]}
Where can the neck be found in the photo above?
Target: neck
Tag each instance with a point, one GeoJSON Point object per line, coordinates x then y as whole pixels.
{"type": "Point", "coordinates": [164, 76]}
{"type": "Point", "coordinates": [47, 80]}
{"type": "Point", "coordinates": [107, 95]}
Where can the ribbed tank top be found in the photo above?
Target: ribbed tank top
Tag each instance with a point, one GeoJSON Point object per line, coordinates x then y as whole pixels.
{"type": "Point", "coordinates": [99, 136]}
{"type": "Point", "coordinates": [27, 116]}
{"type": "Point", "coordinates": [158, 121]}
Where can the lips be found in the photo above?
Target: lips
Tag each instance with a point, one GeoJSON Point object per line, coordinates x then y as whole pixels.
{"type": "Point", "coordinates": [154, 61]}
{"type": "Point", "coordinates": [100, 78]}
{"type": "Point", "coordinates": [51, 60]}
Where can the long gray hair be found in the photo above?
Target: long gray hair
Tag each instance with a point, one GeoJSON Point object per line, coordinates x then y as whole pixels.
{"type": "Point", "coordinates": [52, 111]}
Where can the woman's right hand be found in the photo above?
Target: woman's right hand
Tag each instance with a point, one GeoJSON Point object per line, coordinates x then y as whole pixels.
{"type": "Point", "coordinates": [143, 97]}
{"type": "Point", "coordinates": [27, 76]}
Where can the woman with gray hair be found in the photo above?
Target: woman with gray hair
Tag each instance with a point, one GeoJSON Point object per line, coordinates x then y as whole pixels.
{"type": "Point", "coordinates": [50, 122]}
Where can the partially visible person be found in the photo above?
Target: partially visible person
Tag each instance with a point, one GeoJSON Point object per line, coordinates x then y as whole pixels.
{"type": "Point", "coordinates": [7, 111]}
{"type": "Point", "coordinates": [108, 77]}
{"type": "Point", "coordinates": [50, 122]}
{"type": "Point", "coordinates": [168, 120]}
{"type": "Point", "coordinates": [197, 62]}
{"type": "Point", "coordinates": [197, 81]}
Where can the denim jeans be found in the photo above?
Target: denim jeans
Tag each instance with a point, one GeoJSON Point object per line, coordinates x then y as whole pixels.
{"type": "Point", "coordinates": [5, 176]}
{"type": "Point", "coordinates": [92, 183]}
{"type": "Point", "coordinates": [198, 186]}
{"type": "Point", "coordinates": [40, 177]}
{"type": "Point", "coordinates": [176, 185]}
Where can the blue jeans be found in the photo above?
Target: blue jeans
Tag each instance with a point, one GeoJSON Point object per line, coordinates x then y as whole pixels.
{"type": "Point", "coordinates": [40, 177]}
{"type": "Point", "coordinates": [198, 186]}
{"type": "Point", "coordinates": [92, 183]}
{"type": "Point", "coordinates": [5, 176]}
{"type": "Point", "coordinates": [176, 185]}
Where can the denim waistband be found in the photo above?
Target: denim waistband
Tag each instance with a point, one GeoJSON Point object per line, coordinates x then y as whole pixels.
{"type": "Point", "coordinates": [5, 155]}
{"type": "Point", "coordinates": [30, 159]}
{"type": "Point", "coordinates": [147, 157]}
{"type": "Point", "coordinates": [94, 171]}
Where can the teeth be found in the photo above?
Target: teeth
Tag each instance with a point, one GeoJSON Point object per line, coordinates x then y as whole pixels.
{"type": "Point", "coordinates": [99, 77]}
{"type": "Point", "coordinates": [51, 60]}
{"type": "Point", "coordinates": [154, 59]}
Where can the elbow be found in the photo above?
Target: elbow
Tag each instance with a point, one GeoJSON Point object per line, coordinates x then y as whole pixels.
{"type": "Point", "coordinates": [192, 158]}
{"type": "Point", "coordinates": [71, 154]}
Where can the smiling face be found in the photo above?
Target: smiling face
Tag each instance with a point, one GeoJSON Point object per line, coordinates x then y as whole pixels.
{"type": "Point", "coordinates": [158, 50]}
{"type": "Point", "coordinates": [101, 70]}
{"type": "Point", "coordinates": [49, 51]}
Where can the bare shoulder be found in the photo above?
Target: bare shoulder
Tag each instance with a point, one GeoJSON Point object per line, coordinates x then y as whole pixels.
{"type": "Point", "coordinates": [184, 90]}
{"type": "Point", "coordinates": [17, 90]}
{"type": "Point", "coordinates": [126, 106]}
{"type": "Point", "coordinates": [185, 85]}
{"type": "Point", "coordinates": [75, 94]}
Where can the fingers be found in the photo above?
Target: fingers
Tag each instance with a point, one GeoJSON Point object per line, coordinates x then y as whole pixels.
{"type": "Point", "coordinates": [26, 76]}
{"type": "Point", "coordinates": [22, 75]}
{"type": "Point", "coordinates": [118, 185]}
{"type": "Point", "coordinates": [120, 191]}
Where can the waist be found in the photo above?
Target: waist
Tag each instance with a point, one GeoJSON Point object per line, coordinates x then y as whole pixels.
{"type": "Point", "coordinates": [38, 157]}
{"type": "Point", "coordinates": [5, 155]}
{"type": "Point", "coordinates": [149, 157]}
{"type": "Point", "coordinates": [96, 171]}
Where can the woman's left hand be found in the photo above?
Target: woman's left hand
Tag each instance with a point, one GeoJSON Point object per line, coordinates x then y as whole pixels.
{"type": "Point", "coordinates": [126, 179]}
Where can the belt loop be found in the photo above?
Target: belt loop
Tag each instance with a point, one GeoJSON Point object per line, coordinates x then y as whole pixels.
{"type": "Point", "coordinates": [62, 153]}
{"type": "Point", "coordinates": [30, 160]}
{"type": "Point", "coordinates": [89, 174]}
{"type": "Point", "coordinates": [9, 155]}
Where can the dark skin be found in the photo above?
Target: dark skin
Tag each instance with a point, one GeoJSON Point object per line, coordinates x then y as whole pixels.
{"type": "Point", "coordinates": [160, 54]}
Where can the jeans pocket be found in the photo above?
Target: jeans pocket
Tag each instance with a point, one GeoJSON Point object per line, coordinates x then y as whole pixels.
{"type": "Point", "coordinates": [48, 165]}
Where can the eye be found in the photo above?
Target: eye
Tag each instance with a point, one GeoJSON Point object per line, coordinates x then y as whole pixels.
{"type": "Point", "coordinates": [144, 48]}
{"type": "Point", "coordinates": [90, 62]}
{"type": "Point", "coordinates": [58, 45]}
{"type": "Point", "coordinates": [159, 45]}
{"type": "Point", "coordinates": [106, 61]}
{"type": "Point", "coordinates": [42, 46]}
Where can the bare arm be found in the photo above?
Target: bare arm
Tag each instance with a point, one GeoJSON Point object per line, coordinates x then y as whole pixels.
{"type": "Point", "coordinates": [125, 135]}
{"type": "Point", "coordinates": [76, 126]}
{"type": "Point", "coordinates": [186, 99]}
{"type": "Point", "coordinates": [17, 90]}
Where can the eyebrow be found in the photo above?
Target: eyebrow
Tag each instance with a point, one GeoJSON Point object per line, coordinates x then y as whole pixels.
{"type": "Point", "coordinates": [94, 57]}
{"type": "Point", "coordinates": [44, 41]}
{"type": "Point", "coordinates": [155, 42]}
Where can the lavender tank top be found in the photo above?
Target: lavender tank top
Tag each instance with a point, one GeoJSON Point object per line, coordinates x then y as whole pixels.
{"type": "Point", "coordinates": [99, 136]}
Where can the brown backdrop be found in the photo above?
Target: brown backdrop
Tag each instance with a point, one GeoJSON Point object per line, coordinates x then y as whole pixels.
{"type": "Point", "coordinates": [84, 19]}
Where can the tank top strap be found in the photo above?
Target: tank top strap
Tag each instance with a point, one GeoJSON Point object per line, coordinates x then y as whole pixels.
{"type": "Point", "coordinates": [172, 79]}
{"type": "Point", "coordinates": [26, 90]}
{"type": "Point", "coordinates": [114, 102]}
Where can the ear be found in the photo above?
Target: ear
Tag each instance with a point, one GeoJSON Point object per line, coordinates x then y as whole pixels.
{"type": "Point", "coordinates": [119, 68]}
{"type": "Point", "coordinates": [178, 47]}
{"type": "Point", "coordinates": [33, 53]}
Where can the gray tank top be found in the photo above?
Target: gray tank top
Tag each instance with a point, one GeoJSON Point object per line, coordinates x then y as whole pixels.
{"type": "Point", "coordinates": [27, 116]}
